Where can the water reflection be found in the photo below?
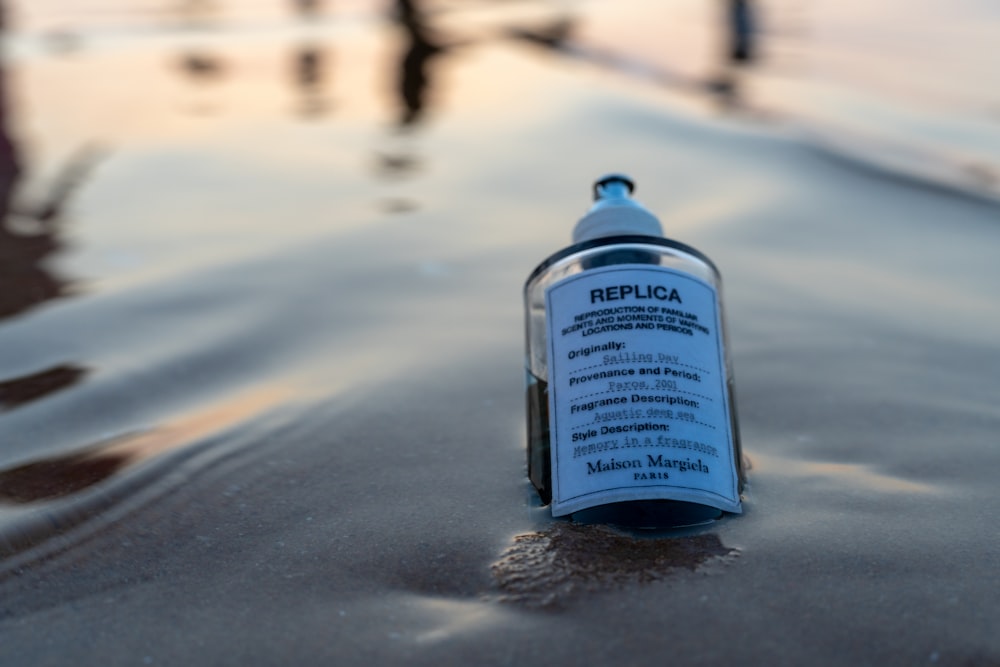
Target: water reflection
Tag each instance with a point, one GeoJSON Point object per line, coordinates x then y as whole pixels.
{"type": "Point", "coordinates": [197, 13]}
{"type": "Point", "coordinates": [205, 70]}
{"type": "Point", "coordinates": [737, 23]}
{"type": "Point", "coordinates": [29, 234]}
{"type": "Point", "coordinates": [22, 282]}
{"type": "Point", "coordinates": [413, 86]}
{"type": "Point", "coordinates": [309, 75]}
{"type": "Point", "coordinates": [58, 477]}
{"type": "Point", "coordinates": [62, 485]}
{"type": "Point", "coordinates": [308, 9]}
{"type": "Point", "coordinates": [555, 35]}
{"type": "Point", "coordinates": [310, 63]}
{"type": "Point", "coordinates": [421, 48]}
{"type": "Point", "coordinates": [741, 23]}
{"type": "Point", "coordinates": [27, 388]}
{"type": "Point", "coordinates": [201, 66]}
{"type": "Point", "coordinates": [738, 29]}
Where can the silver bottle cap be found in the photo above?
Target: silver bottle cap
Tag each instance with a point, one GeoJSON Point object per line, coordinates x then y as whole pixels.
{"type": "Point", "coordinates": [615, 213]}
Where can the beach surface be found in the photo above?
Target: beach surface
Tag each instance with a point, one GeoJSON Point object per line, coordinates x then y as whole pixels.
{"type": "Point", "coordinates": [261, 330]}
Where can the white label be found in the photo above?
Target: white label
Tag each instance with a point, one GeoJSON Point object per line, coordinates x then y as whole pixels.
{"type": "Point", "coordinates": [638, 402]}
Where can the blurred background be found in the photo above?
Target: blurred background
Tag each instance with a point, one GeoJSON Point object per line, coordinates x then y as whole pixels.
{"type": "Point", "coordinates": [261, 262]}
{"type": "Point", "coordinates": [176, 171]}
{"type": "Point", "coordinates": [194, 156]}
{"type": "Point", "coordinates": [129, 128]}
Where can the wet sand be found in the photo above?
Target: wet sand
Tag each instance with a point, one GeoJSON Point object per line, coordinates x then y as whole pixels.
{"type": "Point", "coordinates": [261, 371]}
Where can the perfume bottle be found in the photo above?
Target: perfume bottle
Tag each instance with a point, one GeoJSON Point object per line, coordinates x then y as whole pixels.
{"type": "Point", "coordinates": [630, 405]}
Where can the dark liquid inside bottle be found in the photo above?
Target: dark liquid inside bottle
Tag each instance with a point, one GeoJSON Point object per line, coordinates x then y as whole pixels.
{"type": "Point", "coordinates": [632, 514]}
{"type": "Point", "coordinates": [539, 456]}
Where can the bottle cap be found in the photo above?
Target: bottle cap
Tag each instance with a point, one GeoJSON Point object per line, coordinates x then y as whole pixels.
{"type": "Point", "coordinates": [615, 213]}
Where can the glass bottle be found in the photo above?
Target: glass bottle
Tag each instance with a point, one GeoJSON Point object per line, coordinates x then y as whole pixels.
{"type": "Point", "coordinates": [630, 406]}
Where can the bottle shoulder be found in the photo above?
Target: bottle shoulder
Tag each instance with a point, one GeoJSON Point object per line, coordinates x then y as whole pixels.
{"type": "Point", "coordinates": [625, 246]}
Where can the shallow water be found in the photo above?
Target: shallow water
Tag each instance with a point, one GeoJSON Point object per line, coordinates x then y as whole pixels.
{"type": "Point", "coordinates": [261, 374]}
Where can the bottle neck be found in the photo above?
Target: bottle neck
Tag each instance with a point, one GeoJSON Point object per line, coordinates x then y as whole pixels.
{"type": "Point", "coordinates": [615, 213]}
